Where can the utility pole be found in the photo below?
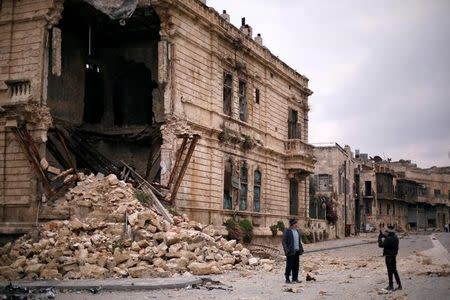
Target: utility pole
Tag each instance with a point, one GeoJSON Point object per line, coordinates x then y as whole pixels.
{"type": "Point", "coordinates": [345, 197]}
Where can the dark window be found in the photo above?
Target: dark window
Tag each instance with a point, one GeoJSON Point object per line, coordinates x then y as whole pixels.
{"type": "Point", "coordinates": [227, 93]}
{"type": "Point", "coordinates": [244, 189]}
{"type": "Point", "coordinates": [257, 191]}
{"type": "Point", "coordinates": [242, 100]}
{"type": "Point", "coordinates": [317, 207]}
{"type": "Point", "coordinates": [227, 187]}
{"type": "Point", "coordinates": [293, 126]}
{"type": "Point", "coordinates": [388, 209]}
{"type": "Point", "coordinates": [257, 96]}
{"type": "Point", "coordinates": [448, 194]}
{"type": "Point", "coordinates": [379, 208]}
{"type": "Point", "coordinates": [393, 209]}
{"type": "Point", "coordinates": [293, 197]}
{"type": "Point", "coordinates": [437, 193]}
{"type": "Point", "coordinates": [368, 188]}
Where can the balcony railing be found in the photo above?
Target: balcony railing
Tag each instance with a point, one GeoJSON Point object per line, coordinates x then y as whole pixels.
{"type": "Point", "coordinates": [19, 90]}
{"type": "Point", "coordinates": [298, 147]}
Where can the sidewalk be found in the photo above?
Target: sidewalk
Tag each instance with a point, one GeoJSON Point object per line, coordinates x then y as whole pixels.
{"type": "Point", "coordinates": [140, 284]}
{"type": "Point", "coordinates": [363, 238]}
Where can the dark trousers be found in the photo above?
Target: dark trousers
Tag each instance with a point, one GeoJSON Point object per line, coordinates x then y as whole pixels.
{"type": "Point", "coordinates": [292, 265]}
{"type": "Point", "coordinates": [391, 266]}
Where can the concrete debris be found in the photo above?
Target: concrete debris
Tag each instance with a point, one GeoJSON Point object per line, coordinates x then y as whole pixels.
{"type": "Point", "coordinates": [112, 235]}
{"type": "Point", "coordinates": [293, 290]}
{"type": "Point", "coordinates": [310, 278]}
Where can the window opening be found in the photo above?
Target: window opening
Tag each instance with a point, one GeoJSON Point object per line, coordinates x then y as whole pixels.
{"type": "Point", "coordinates": [227, 93]}
{"type": "Point", "coordinates": [244, 189]}
{"type": "Point", "coordinates": [242, 100]}
{"type": "Point", "coordinates": [257, 191]}
{"type": "Point", "coordinates": [293, 126]}
{"type": "Point", "coordinates": [227, 186]}
{"type": "Point", "coordinates": [293, 196]}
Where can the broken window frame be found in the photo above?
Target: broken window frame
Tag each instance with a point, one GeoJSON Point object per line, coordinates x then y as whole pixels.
{"type": "Point", "coordinates": [294, 131]}
{"type": "Point", "coordinates": [227, 185]}
{"type": "Point", "coordinates": [257, 179]}
{"type": "Point", "coordinates": [243, 193]}
{"type": "Point", "coordinates": [227, 93]}
{"type": "Point", "coordinates": [325, 183]}
{"type": "Point", "coordinates": [242, 93]}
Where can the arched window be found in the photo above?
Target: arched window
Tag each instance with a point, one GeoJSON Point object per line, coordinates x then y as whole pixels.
{"type": "Point", "coordinates": [244, 188]}
{"type": "Point", "coordinates": [257, 191]}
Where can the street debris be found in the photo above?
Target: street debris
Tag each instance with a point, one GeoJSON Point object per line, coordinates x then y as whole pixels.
{"type": "Point", "coordinates": [293, 290]}
{"type": "Point", "coordinates": [310, 278]}
{"type": "Point", "coordinates": [17, 292]}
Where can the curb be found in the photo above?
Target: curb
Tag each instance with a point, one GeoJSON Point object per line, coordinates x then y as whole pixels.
{"type": "Point", "coordinates": [338, 247]}
{"type": "Point", "coordinates": [108, 285]}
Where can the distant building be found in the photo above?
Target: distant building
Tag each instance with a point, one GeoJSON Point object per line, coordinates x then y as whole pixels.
{"type": "Point", "coordinates": [332, 187]}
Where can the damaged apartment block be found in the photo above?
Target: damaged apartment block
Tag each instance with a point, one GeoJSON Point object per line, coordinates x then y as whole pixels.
{"type": "Point", "coordinates": [167, 94]}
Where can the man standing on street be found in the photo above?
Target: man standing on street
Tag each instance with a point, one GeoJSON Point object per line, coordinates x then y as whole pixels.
{"type": "Point", "coordinates": [389, 243]}
{"type": "Point", "coordinates": [293, 248]}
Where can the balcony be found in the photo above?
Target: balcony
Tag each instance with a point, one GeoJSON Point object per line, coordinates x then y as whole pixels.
{"type": "Point", "coordinates": [297, 147]}
{"type": "Point", "coordinates": [19, 91]}
{"type": "Point", "coordinates": [299, 155]}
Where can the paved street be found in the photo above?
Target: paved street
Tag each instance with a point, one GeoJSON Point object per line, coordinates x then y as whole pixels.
{"type": "Point", "coordinates": [343, 272]}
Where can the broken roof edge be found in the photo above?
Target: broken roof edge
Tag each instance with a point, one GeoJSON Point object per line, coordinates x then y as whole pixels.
{"type": "Point", "coordinates": [220, 24]}
{"type": "Point", "coordinates": [115, 12]}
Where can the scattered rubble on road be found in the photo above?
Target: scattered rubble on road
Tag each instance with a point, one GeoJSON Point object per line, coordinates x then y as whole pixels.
{"type": "Point", "coordinates": [112, 235]}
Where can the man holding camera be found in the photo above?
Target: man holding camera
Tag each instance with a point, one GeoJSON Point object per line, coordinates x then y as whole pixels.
{"type": "Point", "coordinates": [389, 243]}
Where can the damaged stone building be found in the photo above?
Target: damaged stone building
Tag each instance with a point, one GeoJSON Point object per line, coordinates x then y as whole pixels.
{"type": "Point", "coordinates": [368, 193]}
{"type": "Point", "coordinates": [166, 87]}
{"type": "Point", "coordinates": [424, 192]}
{"type": "Point", "coordinates": [332, 202]}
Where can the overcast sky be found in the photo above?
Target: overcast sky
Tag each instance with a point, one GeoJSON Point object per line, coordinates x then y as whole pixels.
{"type": "Point", "coordinates": [380, 70]}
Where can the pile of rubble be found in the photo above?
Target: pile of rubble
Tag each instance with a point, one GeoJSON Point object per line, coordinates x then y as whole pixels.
{"type": "Point", "coordinates": [111, 234]}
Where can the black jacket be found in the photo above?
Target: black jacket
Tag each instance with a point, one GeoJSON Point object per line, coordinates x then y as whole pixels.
{"type": "Point", "coordinates": [389, 243]}
{"type": "Point", "coordinates": [288, 242]}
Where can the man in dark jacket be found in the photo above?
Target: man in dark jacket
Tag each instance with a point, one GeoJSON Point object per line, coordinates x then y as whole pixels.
{"type": "Point", "coordinates": [293, 248]}
{"type": "Point", "coordinates": [389, 243]}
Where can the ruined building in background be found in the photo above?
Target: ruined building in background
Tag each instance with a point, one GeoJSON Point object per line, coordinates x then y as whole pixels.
{"type": "Point", "coordinates": [424, 192]}
{"type": "Point", "coordinates": [375, 193]}
{"type": "Point", "coordinates": [137, 83]}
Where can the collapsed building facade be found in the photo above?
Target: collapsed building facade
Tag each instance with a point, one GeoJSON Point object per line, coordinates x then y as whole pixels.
{"type": "Point", "coordinates": [141, 82]}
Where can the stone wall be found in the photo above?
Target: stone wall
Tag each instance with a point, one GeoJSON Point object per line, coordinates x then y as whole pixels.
{"type": "Point", "coordinates": [22, 48]}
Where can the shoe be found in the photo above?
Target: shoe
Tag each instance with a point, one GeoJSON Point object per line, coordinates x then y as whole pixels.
{"type": "Point", "coordinates": [390, 288]}
{"type": "Point", "coordinates": [296, 281]}
{"type": "Point", "coordinates": [400, 288]}
{"type": "Point", "coordinates": [288, 281]}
